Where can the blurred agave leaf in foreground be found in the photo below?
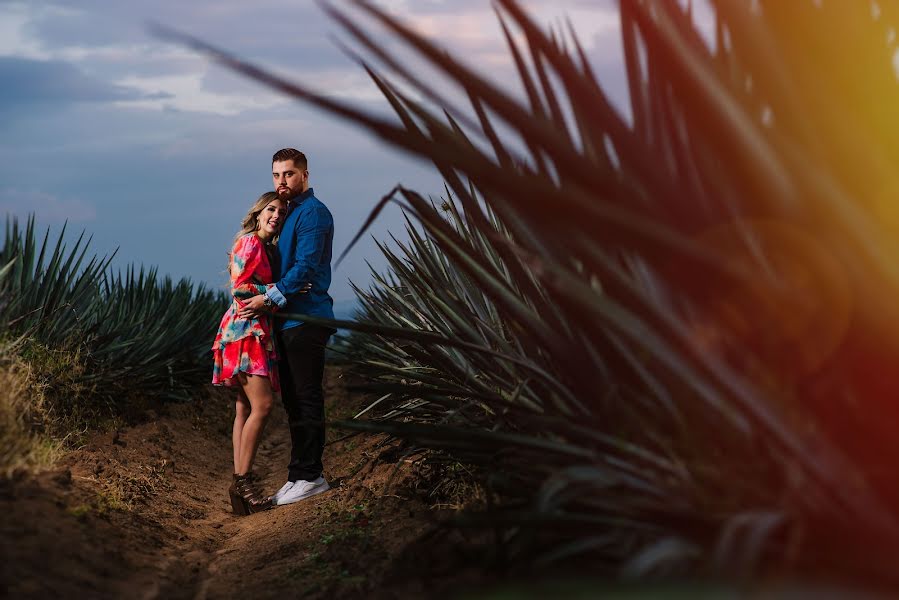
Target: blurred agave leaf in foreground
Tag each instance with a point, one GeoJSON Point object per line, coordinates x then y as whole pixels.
{"type": "Point", "coordinates": [696, 307]}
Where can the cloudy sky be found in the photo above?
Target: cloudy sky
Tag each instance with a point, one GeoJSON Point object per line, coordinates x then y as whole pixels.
{"type": "Point", "coordinates": [158, 152]}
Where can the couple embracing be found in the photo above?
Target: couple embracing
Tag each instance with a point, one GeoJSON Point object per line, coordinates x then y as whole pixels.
{"type": "Point", "coordinates": [280, 262]}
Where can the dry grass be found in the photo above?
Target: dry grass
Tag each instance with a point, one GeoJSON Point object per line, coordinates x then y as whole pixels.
{"type": "Point", "coordinates": [447, 483]}
{"type": "Point", "coordinates": [46, 407]}
{"type": "Point", "coordinates": [23, 414]}
{"type": "Point", "coordinates": [121, 487]}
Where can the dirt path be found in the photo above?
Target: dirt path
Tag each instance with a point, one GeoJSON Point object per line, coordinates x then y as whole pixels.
{"type": "Point", "coordinates": [143, 513]}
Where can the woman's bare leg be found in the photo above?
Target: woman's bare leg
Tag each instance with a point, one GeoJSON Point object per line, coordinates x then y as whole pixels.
{"type": "Point", "coordinates": [241, 413]}
{"type": "Point", "coordinates": [258, 390]}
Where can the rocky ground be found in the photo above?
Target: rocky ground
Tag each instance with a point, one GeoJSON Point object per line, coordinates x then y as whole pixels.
{"type": "Point", "coordinates": [143, 512]}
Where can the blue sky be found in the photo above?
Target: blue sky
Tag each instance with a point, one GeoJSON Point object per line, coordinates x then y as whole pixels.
{"type": "Point", "coordinates": [157, 152]}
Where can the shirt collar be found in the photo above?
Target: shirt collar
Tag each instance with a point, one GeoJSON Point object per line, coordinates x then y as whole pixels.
{"type": "Point", "coordinates": [298, 199]}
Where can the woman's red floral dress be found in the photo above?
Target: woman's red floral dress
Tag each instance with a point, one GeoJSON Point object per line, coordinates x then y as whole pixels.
{"type": "Point", "coordinates": [246, 345]}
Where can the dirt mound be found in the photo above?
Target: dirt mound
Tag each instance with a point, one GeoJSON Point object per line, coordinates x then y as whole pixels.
{"type": "Point", "coordinates": [143, 512]}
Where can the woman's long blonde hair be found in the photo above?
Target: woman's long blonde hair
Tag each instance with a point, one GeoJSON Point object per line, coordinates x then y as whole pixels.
{"type": "Point", "coordinates": [249, 224]}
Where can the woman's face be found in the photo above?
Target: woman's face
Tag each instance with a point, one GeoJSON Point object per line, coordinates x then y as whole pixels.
{"type": "Point", "coordinates": [271, 218]}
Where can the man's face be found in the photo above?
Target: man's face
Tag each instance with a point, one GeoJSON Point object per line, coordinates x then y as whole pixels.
{"type": "Point", "coordinates": [289, 180]}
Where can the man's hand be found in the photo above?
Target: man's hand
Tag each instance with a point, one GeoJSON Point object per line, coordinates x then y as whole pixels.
{"type": "Point", "coordinates": [253, 307]}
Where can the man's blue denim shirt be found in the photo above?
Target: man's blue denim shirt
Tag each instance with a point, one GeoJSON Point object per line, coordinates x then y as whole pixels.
{"type": "Point", "coordinates": [305, 257]}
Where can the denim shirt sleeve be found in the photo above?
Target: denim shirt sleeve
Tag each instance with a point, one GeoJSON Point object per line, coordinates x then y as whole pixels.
{"type": "Point", "coordinates": [276, 296]}
{"type": "Point", "coordinates": [312, 230]}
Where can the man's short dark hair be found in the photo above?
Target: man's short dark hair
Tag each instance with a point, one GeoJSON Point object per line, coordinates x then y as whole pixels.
{"type": "Point", "coordinates": [298, 158]}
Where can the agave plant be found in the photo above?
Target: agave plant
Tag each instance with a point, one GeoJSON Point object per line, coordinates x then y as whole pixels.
{"type": "Point", "coordinates": [49, 292]}
{"type": "Point", "coordinates": [135, 332]}
{"type": "Point", "coordinates": [426, 291]}
{"type": "Point", "coordinates": [154, 334]}
{"type": "Point", "coordinates": [665, 337]}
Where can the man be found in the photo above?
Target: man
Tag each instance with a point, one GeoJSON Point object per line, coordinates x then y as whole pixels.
{"type": "Point", "coordinates": [305, 275]}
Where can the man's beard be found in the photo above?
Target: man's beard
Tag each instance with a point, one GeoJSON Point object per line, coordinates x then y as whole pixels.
{"type": "Point", "coordinates": [289, 195]}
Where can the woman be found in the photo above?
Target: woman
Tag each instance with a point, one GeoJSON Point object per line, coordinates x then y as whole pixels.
{"type": "Point", "coordinates": [244, 350]}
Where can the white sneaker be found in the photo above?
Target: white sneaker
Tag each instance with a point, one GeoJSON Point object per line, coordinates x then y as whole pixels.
{"type": "Point", "coordinates": [282, 491]}
{"type": "Point", "coordinates": [300, 490]}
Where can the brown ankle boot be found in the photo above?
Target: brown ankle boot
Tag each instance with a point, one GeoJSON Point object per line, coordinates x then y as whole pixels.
{"type": "Point", "coordinates": [238, 506]}
{"type": "Point", "coordinates": [253, 500]}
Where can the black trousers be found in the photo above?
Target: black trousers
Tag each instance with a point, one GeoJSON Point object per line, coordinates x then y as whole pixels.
{"type": "Point", "coordinates": [302, 368]}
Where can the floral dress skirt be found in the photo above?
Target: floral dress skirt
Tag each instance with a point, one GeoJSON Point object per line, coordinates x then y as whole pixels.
{"type": "Point", "coordinates": [245, 345]}
{"type": "Point", "coordinates": [249, 355]}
